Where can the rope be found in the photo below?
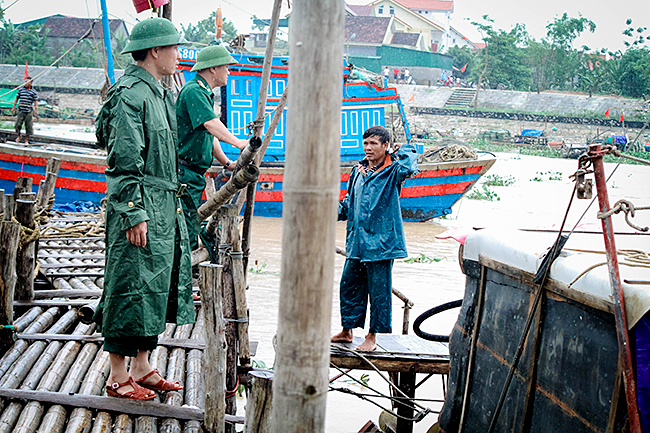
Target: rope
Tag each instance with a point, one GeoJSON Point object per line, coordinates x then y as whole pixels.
{"type": "Point", "coordinates": [634, 258]}
{"type": "Point", "coordinates": [78, 230]}
{"type": "Point", "coordinates": [626, 207]}
{"type": "Point", "coordinates": [27, 235]}
{"type": "Point", "coordinates": [255, 123]}
{"type": "Point", "coordinates": [232, 393]}
{"type": "Point", "coordinates": [451, 152]}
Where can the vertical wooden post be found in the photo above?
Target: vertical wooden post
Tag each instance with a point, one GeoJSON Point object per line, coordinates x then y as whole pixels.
{"type": "Point", "coordinates": [260, 403]}
{"type": "Point", "coordinates": [311, 190]}
{"type": "Point", "coordinates": [23, 184]}
{"type": "Point", "coordinates": [31, 196]}
{"type": "Point", "coordinates": [407, 385]}
{"type": "Point", "coordinates": [9, 236]}
{"type": "Point", "coordinates": [2, 201]}
{"type": "Point", "coordinates": [26, 255]}
{"type": "Point", "coordinates": [214, 356]}
{"type": "Point", "coordinates": [229, 236]}
{"type": "Point", "coordinates": [10, 204]}
{"type": "Point", "coordinates": [46, 188]}
{"type": "Point", "coordinates": [239, 282]}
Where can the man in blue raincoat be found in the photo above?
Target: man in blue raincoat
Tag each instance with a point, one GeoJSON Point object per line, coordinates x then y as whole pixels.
{"type": "Point", "coordinates": [375, 235]}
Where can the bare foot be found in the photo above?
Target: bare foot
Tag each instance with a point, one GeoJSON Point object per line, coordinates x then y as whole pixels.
{"type": "Point", "coordinates": [345, 336]}
{"type": "Point", "coordinates": [370, 344]}
{"type": "Point", "coordinates": [18, 139]}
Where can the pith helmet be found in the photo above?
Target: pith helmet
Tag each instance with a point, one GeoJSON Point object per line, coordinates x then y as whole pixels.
{"type": "Point", "coordinates": [214, 55]}
{"type": "Point", "coordinates": [153, 32]}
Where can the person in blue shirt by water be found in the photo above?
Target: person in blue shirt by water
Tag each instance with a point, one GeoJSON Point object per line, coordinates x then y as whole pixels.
{"type": "Point", "coordinates": [375, 235]}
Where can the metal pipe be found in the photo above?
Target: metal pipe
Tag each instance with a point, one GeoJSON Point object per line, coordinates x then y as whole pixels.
{"type": "Point", "coordinates": [107, 43]}
{"type": "Point", "coordinates": [596, 156]}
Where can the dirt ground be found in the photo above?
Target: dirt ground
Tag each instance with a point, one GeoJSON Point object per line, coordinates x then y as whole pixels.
{"type": "Point", "coordinates": [467, 128]}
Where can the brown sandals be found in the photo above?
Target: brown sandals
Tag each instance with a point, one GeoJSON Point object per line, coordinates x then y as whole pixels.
{"type": "Point", "coordinates": [162, 385]}
{"type": "Point", "coordinates": [138, 393]}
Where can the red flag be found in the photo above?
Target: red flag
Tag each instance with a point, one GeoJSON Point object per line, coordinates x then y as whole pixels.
{"type": "Point", "coordinates": [26, 70]}
{"type": "Point", "coordinates": [607, 113]}
{"type": "Point", "coordinates": [462, 70]}
{"type": "Point", "coordinates": [621, 119]}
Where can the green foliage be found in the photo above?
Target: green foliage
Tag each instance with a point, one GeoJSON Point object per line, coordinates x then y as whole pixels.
{"type": "Point", "coordinates": [24, 46]}
{"type": "Point", "coordinates": [483, 193]}
{"type": "Point", "coordinates": [204, 32]}
{"type": "Point", "coordinates": [506, 57]}
{"type": "Point", "coordinates": [462, 56]}
{"type": "Point", "coordinates": [257, 268]}
{"type": "Point", "coordinates": [542, 176]}
{"type": "Point", "coordinates": [634, 72]}
{"type": "Point", "coordinates": [497, 180]}
{"type": "Point", "coordinates": [422, 258]}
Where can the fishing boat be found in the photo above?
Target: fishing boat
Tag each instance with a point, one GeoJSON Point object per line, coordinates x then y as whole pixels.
{"type": "Point", "coordinates": [428, 195]}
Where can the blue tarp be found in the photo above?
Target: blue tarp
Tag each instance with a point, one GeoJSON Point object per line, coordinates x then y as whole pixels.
{"type": "Point", "coordinates": [617, 139]}
{"type": "Point", "coordinates": [531, 132]}
{"type": "Point", "coordinates": [78, 206]}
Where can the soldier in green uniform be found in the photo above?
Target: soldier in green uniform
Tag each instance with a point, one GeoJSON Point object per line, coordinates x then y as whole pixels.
{"type": "Point", "coordinates": [148, 267]}
{"type": "Point", "coordinates": [200, 131]}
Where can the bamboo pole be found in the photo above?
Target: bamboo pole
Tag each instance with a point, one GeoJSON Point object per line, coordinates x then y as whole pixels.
{"type": "Point", "coordinates": [194, 383]}
{"type": "Point", "coordinates": [54, 363]}
{"type": "Point", "coordinates": [25, 259]}
{"type": "Point", "coordinates": [123, 424]}
{"type": "Point", "coordinates": [9, 236]}
{"type": "Point", "coordinates": [92, 385]}
{"type": "Point", "coordinates": [250, 189]}
{"type": "Point", "coordinates": [176, 371]}
{"type": "Point", "coordinates": [311, 190]}
{"type": "Point", "coordinates": [103, 423]}
{"type": "Point", "coordinates": [260, 403]}
{"type": "Point", "coordinates": [19, 347]}
{"type": "Point", "coordinates": [239, 289]}
{"type": "Point", "coordinates": [54, 419]}
{"type": "Point", "coordinates": [214, 357]}
{"type": "Point", "coordinates": [21, 368]}
{"type": "Point", "coordinates": [247, 174]}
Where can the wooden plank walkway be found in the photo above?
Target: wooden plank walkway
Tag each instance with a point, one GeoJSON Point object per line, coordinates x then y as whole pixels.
{"type": "Point", "coordinates": [395, 353]}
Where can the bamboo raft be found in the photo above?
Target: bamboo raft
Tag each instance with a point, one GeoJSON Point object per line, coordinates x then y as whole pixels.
{"type": "Point", "coordinates": [52, 378]}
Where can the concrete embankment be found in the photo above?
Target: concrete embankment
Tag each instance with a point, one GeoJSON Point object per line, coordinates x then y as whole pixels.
{"type": "Point", "coordinates": [545, 103]}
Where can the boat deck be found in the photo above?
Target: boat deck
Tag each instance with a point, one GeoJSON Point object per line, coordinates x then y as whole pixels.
{"type": "Point", "coordinates": [395, 353]}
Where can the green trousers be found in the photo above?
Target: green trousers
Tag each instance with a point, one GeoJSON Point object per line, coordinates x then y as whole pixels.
{"type": "Point", "coordinates": [195, 185]}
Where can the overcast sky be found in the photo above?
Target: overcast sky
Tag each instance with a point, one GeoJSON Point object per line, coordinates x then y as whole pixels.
{"type": "Point", "coordinates": [608, 15]}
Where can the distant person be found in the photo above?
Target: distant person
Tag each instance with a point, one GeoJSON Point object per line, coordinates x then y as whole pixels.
{"type": "Point", "coordinates": [200, 131]}
{"type": "Point", "coordinates": [407, 76]}
{"type": "Point", "coordinates": [386, 74]}
{"type": "Point", "coordinates": [401, 76]}
{"type": "Point", "coordinates": [395, 74]}
{"type": "Point", "coordinates": [148, 278]}
{"type": "Point", "coordinates": [27, 100]}
{"type": "Point", "coordinates": [443, 76]}
{"type": "Point", "coordinates": [375, 235]}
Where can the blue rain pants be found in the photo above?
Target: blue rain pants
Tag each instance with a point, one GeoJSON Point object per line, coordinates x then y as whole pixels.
{"type": "Point", "coordinates": [363, 280]}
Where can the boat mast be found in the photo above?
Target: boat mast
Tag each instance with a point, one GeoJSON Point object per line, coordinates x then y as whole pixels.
{"type": "Point", "coordinates": [107, 43]}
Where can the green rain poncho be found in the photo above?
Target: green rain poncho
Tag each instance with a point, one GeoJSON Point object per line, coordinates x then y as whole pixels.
{"type": "Point", "coordinates": [137, 125]}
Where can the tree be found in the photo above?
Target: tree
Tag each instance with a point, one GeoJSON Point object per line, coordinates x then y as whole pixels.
{"type": "Point", "coordinates": [634, 72]}
{"type": "Point", "coordinates": [539, 56]}
{"type": "Point", "coordinates": [506, 63]}
{"type": "Point", "coordinates": [565, 60]}
{"type": "Point", "coordinates": [29, 47]}
{"type": "Point", "coordinates": [462, 56]}
{"type": "Point", "coordinates": [204, 32]}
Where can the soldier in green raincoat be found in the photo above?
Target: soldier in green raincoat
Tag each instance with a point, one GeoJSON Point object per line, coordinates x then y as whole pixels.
{"type": "Point", "coordinates": [200, 131]}
{"type": "Point", "coordinates": [148, 267]}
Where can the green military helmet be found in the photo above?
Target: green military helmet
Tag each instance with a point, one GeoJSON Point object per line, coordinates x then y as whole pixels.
{"type": "Point", "coordinates": [153, 32]}
{"type": "Point", "coordinates": [214, 55]}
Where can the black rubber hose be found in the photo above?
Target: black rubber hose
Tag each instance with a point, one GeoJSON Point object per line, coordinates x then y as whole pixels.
{"type": "Point", "coordinates": [431, 312]}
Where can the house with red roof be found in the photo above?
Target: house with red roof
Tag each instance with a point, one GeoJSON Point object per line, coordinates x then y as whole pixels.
{"type": "Point", "coordinates": [431, 18]}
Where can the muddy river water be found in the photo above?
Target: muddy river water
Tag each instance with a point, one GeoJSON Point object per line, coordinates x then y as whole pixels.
{"type": "Point", "coordinates": [537, 198]}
